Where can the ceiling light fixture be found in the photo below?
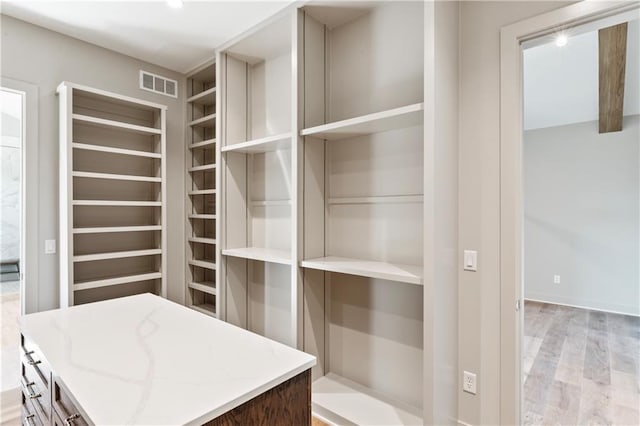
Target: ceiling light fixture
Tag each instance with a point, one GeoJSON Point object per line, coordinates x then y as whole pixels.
{"type": "Point", "coordinates": [561, 40]}
{"type": "Point", "coordinates": [176, 4]}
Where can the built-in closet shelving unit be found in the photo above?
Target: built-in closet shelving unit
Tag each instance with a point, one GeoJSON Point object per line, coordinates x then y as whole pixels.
{"type": "Point", "coordinates": [338, 192]}
{"type": "Point", "coordinates": [363, 197]}
{"type": "Point", "coordinates": [112, 195]}
{"type": "Point", "coordinates": [202, 292]}
{"type": "Point", "coordinates": [258, 181]}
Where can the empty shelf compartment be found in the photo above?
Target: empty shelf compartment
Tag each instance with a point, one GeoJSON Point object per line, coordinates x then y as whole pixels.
{"type": "Point", "coordinates": [411, 274]}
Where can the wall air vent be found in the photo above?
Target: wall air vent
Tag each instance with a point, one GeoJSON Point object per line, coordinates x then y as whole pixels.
{"type": "Point", "coordinates": [158, 84]}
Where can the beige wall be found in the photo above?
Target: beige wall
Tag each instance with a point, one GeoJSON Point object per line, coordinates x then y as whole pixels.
{"type": "Point", "coordinates": [44, 58]}
{"type": "Point", "coordinates": [479, 292]}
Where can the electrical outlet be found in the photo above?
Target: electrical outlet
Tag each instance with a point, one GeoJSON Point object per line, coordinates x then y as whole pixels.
{"type": "Point", "coordinates": [556, 279]}
{"type": "Point", "coordinates": [469, 382]}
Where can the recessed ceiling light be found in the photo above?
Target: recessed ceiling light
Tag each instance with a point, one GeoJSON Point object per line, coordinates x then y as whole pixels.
{"type": "Point", "coordinates": [176, 4]}
{"type": "Point", "coordinates": [561, 40]}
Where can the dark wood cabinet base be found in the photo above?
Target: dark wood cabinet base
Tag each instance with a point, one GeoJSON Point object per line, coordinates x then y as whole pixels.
{"type": "Point", "coordinates": [286, 404]}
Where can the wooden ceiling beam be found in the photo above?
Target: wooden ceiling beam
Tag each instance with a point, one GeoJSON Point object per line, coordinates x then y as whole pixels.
{"type": "Point", "coordinates": [612, 58]}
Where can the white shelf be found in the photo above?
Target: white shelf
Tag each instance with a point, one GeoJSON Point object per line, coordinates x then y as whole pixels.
{"type": "Point", "coordinates": [202, 168]}
{"type": "Point", "coordinates": [206, 121]}
{"type": "Point", "coordinates": [85, 285]}
{"type": "Point", "coordinates": [207, 97]}
{"type": "Point", "coordinates": [109, 229]}
{"type": "Point", "coordinates": [101, 122]}
{"type": "Point", "coordinates": [203, 264]}
{"type": "Point", "coordinates": [205, 308]}
{"type": "Point", "coordinates": [202, 240]}
{"type": "Point", "coordinates": [340, 401]}
{"type": "Point", "coordinates": [202, 216]}
{"type": "Point", "coordinates": [270, 143]}
{"type": "Point", "coordinates": [406, 116]}
{"type": "Point", "coordinates": [112, 176]}
{"type": "Point", "coordinates": [111, 150]}
{"type": "Point", "coordinates": [115, 255]}
{"type": "Point", "coordinates": [203, 144]}
{"type": "Point", "coordinates": [117, 203]}
{"type": "Point", "coordinates": [263, 254]}
{"type": "Point", "coordinates": [411, 274]}
{"type": "Point", "coordinates": [202, 191]}
{"type": "Point", "coordinates": [205, 287]}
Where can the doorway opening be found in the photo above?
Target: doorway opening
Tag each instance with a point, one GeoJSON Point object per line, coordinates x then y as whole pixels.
{"type": "Point", "coordinates": [581, 226]}
{"type": "Point", "coordinates": [12, 107]}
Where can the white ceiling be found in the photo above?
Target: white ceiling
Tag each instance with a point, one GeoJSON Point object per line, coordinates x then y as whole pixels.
{"type": "Point", "coordinates": [178, 39]}
{"type": "Point", "coordinates": [561, 83]}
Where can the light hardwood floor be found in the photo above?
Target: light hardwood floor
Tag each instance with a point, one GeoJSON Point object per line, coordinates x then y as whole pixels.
{"type": "Point", "coordinates": [581, 367]}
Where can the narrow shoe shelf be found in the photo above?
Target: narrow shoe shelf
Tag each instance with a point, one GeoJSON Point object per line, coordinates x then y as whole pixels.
{"type": "Point", "coordinates": [117, 203]}
{"type": "Point", "coordinates": [202, 167]}
{"type": "Point", "coordinates": [202, 144]}
{"type": "Point", "coordinates": [269, 143]}
{"type": "Point", "coordinates": [112, 150]}
{"type": "Point", "coordinates": [208, 287]}
{"type": "Point", "coordinates": [109, 229]}
{"type": "Point", "coordinates": [202, 240]}
{"type": "Point", "coordinates": [202, 216]}
{"type": "Point", "coordinates": [205, 308]}
{"type": "Point", "coordinates": [201, 191]}
{"type": "Point", "coordinates": [206, 121]}
{"type": "Point", "coordinates": [112, 176]}
{"type": "Point", "coordinates": [207, 97]}
{"type": "Point", "coordinates": [115, 255]}
{"type": "Point", "coordinates": [202, 264]}
{"type": "Point", "coordinates": [263, 254]}
{"type": "Point", "coordinates": [117, 280]}
{"type": "Point", "coordinates": [101, 122]}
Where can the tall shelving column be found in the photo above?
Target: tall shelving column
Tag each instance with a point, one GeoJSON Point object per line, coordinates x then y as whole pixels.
{"type": "Point", "coordinates": [112, 195]}
{"type": "Point", "coordinates": [258, 149]}
{"type": "Point", "coordinates": [202, 290]}
{"type": "Point", "coordinates": [363, 195]}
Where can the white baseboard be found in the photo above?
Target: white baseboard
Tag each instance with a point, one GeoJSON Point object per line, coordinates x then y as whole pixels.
{"type": "Point", "coordinates": [561, 301]}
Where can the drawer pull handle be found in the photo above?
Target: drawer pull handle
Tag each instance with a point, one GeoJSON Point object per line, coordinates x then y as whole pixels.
{"type": "Point", "coordinates": [69, 420]}
{"type": "Point", "coordinates": [29, 419]}
{"type": "Point", "coordinates": [34, 362]}
{"type": "Point", "coordinates": [34, 395]}
{"type": "Point", "coordinates": [29, 353]}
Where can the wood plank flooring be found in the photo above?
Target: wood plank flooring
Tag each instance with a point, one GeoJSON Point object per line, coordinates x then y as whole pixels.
{"type": "Point", "coordinates": [580, 367]}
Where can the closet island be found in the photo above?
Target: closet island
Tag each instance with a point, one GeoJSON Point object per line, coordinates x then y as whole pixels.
{"type": "Point", "coordinates": [130, 361]}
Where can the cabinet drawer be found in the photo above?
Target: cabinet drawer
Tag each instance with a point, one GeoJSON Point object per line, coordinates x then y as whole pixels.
{"type": "Point", "coordinates": [36, 390]}
{"type": "Point", "coordinates": [65, 408]}
{"type": "Point", "coordinates": [33, 357]}
{"type": "Point", "coordinates": [30, 416]}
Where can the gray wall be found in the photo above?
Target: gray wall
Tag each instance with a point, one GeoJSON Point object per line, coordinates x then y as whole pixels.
{"type": "Point", "coordinates": [581, 196]}
{"type": "Point", "coordinates": [479, 209]}
{"type": "Point", "coordinates": [45, 58]}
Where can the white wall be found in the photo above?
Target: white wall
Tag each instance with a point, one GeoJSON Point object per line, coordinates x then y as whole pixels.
{"type": "Point", "coordinates": [479, 192]}
{"type": "Point", "coordinates": [581, 196]}
{"type": "Point", "coordinates": [45, 58]}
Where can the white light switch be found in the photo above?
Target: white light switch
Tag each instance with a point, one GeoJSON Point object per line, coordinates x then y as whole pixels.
{"type": "Point", "coordinates": [470, 260]}
{"type": "Point", "coordinates": [50, 246]}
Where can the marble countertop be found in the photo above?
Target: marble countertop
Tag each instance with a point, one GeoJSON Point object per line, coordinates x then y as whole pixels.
{"type": "Point", "coordinates": [145, 360]}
